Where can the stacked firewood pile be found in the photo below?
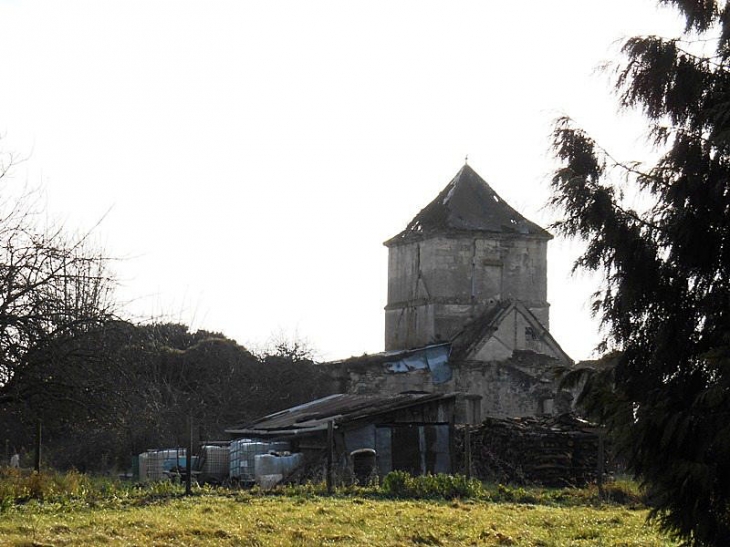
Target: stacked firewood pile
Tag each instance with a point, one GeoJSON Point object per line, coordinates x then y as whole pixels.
{"type": "Point", "coordinates": [549, 451]}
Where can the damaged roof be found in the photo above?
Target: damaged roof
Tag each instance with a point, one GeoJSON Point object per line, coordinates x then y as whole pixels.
{"type": "Point", "coordinates": [436, 359]}
{"type": "Point", "coordinates": [433, 358]}
{"type": "Point", "coordinates": [468, 204]}
{"type": "Point", "coordinates": [339, 408]}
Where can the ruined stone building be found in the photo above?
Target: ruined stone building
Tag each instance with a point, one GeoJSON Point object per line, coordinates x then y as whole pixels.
{"type": "Point", "coordinates": [467, 309]}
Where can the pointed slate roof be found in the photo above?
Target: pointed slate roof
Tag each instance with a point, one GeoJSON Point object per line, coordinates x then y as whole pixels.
{"type": "Point", "coordinates": [468, 204]}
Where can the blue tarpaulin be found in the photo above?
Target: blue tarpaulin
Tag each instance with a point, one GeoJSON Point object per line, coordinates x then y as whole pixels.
{"type": "Point", "coordinates": [433, 358]}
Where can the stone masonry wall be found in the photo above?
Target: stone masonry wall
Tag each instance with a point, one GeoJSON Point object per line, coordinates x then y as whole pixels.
{"type": "Point", "coordinates": [436, 285]}
{"type": "Point", "coordinates": [521, 386]}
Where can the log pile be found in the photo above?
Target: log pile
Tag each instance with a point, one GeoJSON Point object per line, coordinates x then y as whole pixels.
{"type": "Point", "coordinates": [549, 451]}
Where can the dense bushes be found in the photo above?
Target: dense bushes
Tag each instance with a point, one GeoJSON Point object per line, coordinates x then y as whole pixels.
{"type": "Point", "coordinates": [399, 484]}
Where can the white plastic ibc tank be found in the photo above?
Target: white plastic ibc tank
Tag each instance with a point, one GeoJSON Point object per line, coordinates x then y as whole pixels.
{"type": "Point", "coordinates": [238, 457]}
{"type": "Point", "coordinates": [215, 461]}
{"type": "Point", "coordinates": [243, 454]}
{"type": "Point", "coordinates": [249, 451]}
{"type": "Point", "coordinates": [267, 464]}
{"type": "Point", "coordinates": [290, 463]}
{"type": "Point", "coordinates": [271, 464]}
{"type": "Point", "coordinates": [155, 462]}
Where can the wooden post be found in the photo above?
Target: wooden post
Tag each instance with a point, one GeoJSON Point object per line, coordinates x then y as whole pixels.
{"type": "Point", "coordinates": [467, 450]}
{"type": "Point", "coordinates": [189, 459]}
{"type": "Point", "coordinates": [38, 443]}
{"type": "Point", "coordinates": [330, 443]}
{"type": "Point", "coordinates": [601, 461]}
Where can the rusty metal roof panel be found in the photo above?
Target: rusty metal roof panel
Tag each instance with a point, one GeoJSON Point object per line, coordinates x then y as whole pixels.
{"type": "Point", "coordinates": [340, 408]}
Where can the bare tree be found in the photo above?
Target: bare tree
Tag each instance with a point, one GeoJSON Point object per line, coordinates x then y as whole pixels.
{"type": "Point", "coordinates": [54, 288]}
{"type": "Point", "coordinates": [292, 347]}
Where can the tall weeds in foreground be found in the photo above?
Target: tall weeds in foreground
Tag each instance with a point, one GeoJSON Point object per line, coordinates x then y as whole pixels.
{"type": "Point", "coordinates": [19, 486]}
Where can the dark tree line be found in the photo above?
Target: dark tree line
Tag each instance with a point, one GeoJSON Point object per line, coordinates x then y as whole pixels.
{"type": "Point", "coordinates": [666, 296]}
{"type": "Point", "coordinates": [136, 386]}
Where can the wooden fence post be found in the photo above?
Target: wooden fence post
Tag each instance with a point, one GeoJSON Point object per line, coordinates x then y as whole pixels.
{"type": "Point", "coordinates": [330, 442]}
{"type": "Point", "coordinates": [601, 461]}
{"type": "Point", "coordinates": [189, 459]}
{"type": "Point", "coordinates": [467, 450]}
{"type": "Point", "coordinates": [38, 444]}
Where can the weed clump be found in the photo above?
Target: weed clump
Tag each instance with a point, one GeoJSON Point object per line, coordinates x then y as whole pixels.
{"type": "Point", "coordinates": [18, 487]}
{"type": "Point", "coordinates": [399, 484]}
{"type": "Point", "coordinates": [515, 495]}
{"type": "Point", "coordinates": [625, 492]}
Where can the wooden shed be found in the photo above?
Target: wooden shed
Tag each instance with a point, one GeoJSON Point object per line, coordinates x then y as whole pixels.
{"type": "Point", "coordinates": [367, 434]}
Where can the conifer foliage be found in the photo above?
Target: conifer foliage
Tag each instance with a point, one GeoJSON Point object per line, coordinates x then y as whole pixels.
{"type": "Point", "coordinates": [665, 301]}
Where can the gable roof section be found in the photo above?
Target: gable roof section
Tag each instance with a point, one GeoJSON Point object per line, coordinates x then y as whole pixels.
{"type": "Point", "coordinates": [479, 330]}
{"type": "Point", "coordinates": [477, 333]}
{"type": "Point", "coordinates": [340, 408]}
{"type": "Point", "coordinates": [468, 204]}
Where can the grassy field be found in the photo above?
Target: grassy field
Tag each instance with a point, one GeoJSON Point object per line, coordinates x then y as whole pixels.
{"type": "Point", "coordinates": [161, 516]}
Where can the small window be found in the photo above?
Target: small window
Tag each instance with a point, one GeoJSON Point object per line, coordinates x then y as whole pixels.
{"type": "Point", "coordinates": [530, 334]}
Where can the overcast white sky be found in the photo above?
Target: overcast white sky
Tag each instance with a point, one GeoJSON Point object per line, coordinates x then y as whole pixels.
{"type": "Point", "coordinates": [253, 156]}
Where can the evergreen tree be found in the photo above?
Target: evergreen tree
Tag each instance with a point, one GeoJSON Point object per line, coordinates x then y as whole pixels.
{"type": "Point", "coordinates": [665, 300]}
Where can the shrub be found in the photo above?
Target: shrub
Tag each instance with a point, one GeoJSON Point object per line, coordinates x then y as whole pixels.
{"type": "Point", "coordinates": [399, 484]}
{"type": "Point", "coordinates": [396, 484]}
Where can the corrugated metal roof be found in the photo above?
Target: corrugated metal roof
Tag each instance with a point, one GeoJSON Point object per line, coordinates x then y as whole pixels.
{"type": "Point", "coordinates": [468, 204]}
{"type": "Point", "coordinates": [340, 408]}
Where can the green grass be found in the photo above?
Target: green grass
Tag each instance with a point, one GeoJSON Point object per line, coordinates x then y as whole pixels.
{"type": "Point", "coordinates": [104, 513]}
{"type": "Point", "coordinates": [284, 520]}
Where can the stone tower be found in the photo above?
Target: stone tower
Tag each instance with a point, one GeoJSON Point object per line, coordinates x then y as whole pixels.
{"type": "Point", "coordinates": [463, 253]}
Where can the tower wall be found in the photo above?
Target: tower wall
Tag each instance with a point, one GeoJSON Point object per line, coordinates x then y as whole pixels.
{"type": "Point", "coordinates": [438, 284]}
